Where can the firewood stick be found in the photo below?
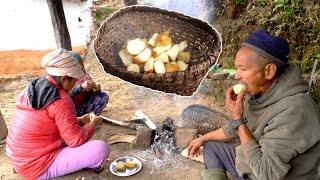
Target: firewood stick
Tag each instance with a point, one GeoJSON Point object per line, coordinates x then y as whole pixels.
{"type": "Point", "coordinates": [131, 125]}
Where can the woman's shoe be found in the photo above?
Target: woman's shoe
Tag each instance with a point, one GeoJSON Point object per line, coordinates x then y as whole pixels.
{"type": "Point", "coordinates": [96, 170]}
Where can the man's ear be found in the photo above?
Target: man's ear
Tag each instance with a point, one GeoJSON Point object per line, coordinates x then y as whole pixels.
{"type": "Point", "coordinates": [270, 71]}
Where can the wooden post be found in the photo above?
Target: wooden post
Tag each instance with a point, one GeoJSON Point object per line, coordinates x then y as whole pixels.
{"type": "Point", "coordinates": [59, 24]}
{"type": "Point", "coordinates": [130, 2]}
{"type": "Point", "coordinates": [3, 128]}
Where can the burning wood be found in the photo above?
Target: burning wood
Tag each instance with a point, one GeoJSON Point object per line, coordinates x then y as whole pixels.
{"type": "Point", "coordinates": [163, 141]}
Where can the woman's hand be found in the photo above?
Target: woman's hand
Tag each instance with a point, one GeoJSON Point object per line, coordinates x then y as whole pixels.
{"type": "Point", "coordinates": [87, 85]}
{"type": "Point", "coordinates": [235, 103]}
{"type": "Point", "coordinates": [95, 120]}
{"type": "Point", "coordinates": [96, 87]}
{"type": "Point", "coordinates": [193, 148]}
{"type": "Point", "coordinates": [85, 118]}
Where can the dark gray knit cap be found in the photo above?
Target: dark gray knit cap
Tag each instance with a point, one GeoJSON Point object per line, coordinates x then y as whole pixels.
{"type": "Point", "coordinates": [273, 48]}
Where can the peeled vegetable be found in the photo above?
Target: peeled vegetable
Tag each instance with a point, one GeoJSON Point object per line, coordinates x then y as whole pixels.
{"type": "Point", "coordinates": [134, 68]}
{"type": "Point", "coordinates": [182, 65]}
{"type": "Point", "coordinates": [171, 67]}
{"type": "Point", "coordinates": [96, 87]}
{"type": "Point", "coordinates": [163, 39]}
{"type": "Point", "coordinates": [159, 67]}
{"type": "Point", "coordinates": [120, 166]}
{"type": "Point", "coordinates": [173, 52]}
{"type": "Point", "coordinates": [162, 57]}
{"type": "Point", "coordinates": [153, 40]}
{"type": "Point", "coordinates": [142, 57]}
{"type": "Point", "coordinates": [182, 46]}
{"type": "Point", "coordinates": [158, 50]}
{"type": "Point", "coordinates": [130, 164]}
{"type": "Point", "coordinates": [183, 56]}
{"type": "Point", "coordinates": [88, 119]}
{"type": "Point", "coordinates": [238, 88]}
{"type": "Point", "coordinates": [148, 67]}
{"type": "Point", "coordinates": [136, 46]}
{"type": "Point", "coordinates": [158, 55]}
{"type": "Point", "coordinates": [125, 57]}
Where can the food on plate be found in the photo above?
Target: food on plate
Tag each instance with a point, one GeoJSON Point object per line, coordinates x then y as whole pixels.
{"type": "Point", "coordinates": [163, 39]}
{"type": "Point", "coordinates": [183, 56]}
{"type": "Point", "coordinates": [130, 164]}
{"type": "Point", "coordinates": [136, 46]}
{"type": "Point", "coordinates": [148, 67]}
{"type": "Point", "coordinates": [125, 57]}
{"type": "Point", "coordinates": [142, 57]}
{"type": "Point", "coordinates": [120, 166]}
{"type": "Point", "coordinates": [173, 52]}
{"type": "Point", "coordinates": [182, 46]}
{"type": "Point", "coordinates": [153, 40]}
{"type": "Point", "coordinates": [172, 67]}
{"type": "Point", "coordinates": [182, 65]}
{"type": "Point", "coordinates": [159, 67]}
{"type": "Point", "coordinates": [238, 88]}
{"type": "Point", "coordinates": [134, 68]}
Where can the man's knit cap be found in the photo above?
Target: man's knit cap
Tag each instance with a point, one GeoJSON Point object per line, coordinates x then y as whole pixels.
{"type": "Point", "coordinates": [273, 48]}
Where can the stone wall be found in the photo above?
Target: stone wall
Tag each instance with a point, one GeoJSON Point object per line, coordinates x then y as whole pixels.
{"type": "Point", "coordinates": [216, 85]}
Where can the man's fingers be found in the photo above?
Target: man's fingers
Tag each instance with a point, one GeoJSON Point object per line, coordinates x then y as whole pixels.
{"type": "Point", "coordinates": [240, 97]}
{"type": "Point", "coordinates": [196, 153]}
{"type": "Point", "coordinates": [191, 152]}
{"type": "Point", "coordinates": [189, 149]}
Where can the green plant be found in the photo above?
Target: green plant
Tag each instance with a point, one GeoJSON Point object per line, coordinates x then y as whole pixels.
{"type": "Point", "coordinates": [299, 24]}
{"type": "Point", "coordinates": [98, 15]}
{"type": "Point", "coordinates": [102, 13]}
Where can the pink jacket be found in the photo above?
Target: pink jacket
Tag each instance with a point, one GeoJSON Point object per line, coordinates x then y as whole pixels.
{"type": "Point", "coordinates": [45, 117]}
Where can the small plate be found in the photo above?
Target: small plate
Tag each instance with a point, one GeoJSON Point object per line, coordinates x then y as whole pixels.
{"type": "Point", "coordinates": [128, 171]}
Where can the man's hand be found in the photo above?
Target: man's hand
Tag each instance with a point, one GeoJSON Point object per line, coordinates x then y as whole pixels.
{"type": "Point", "coordinates": [235, 103]}
{"type": "Point", "coordinates": [87, 85]}
{"type": "Point", "coordinates": [193, 148]}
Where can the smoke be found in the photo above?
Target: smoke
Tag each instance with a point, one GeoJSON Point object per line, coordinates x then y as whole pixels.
{"type": "Point", "coordinates": [200, 9]}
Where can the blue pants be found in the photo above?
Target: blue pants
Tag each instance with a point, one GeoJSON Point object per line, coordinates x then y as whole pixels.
{"type": "Point", "coordinates": [95, 104]}
{"type": "Point", "coordinates": [217, 154]}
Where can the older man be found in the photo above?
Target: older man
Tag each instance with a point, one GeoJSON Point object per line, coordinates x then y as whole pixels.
{"type": "Point", "coordinates": [278, 123]}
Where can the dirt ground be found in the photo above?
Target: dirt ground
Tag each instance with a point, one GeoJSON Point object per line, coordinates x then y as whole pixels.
{"type": "Point", "coordinates": [20, 66]}
{"type": "Point", "coordinates": [15, 63]}
{"type": "Point", "coordinates": [125, 100]}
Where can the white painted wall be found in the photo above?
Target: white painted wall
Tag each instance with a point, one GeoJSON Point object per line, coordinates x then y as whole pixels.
{"type": "Point", "coordinates": [26, 24]}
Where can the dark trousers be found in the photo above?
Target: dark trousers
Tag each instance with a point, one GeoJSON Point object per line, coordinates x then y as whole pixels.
{"type": "Point", "coordinates": [217, 154]}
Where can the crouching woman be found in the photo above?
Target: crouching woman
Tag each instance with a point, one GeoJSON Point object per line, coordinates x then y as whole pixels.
{"type": "Point", "coordinates": [45, 138]}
